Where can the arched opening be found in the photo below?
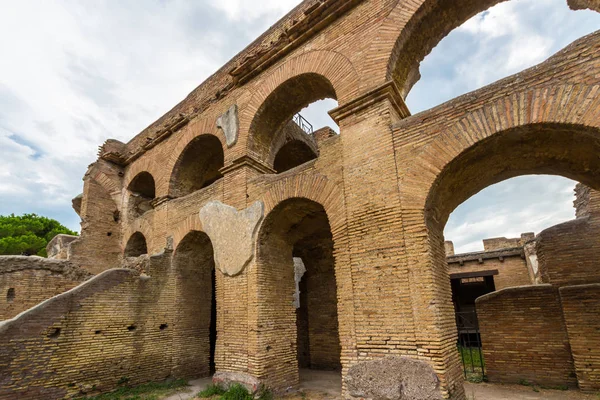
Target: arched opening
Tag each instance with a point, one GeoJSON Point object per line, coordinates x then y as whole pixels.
{"type": "Point", "coordinates": [522, 327]}
{"type": "Point", "coordinates": [294, 114]}
{"type": "Point", "coordinates": [292, 154]}
{"type": "Point", "coordinates": [298, 316]}
{"type": "Point", "coordinates": [198, 166]}
{"type": "Point", "coordinates": [142, 191]}
{"type": "Point", "coordinates": [195, 330]}
{"type": "Point", "coordinates": [499, 39]}
{"type": "Point", "coordinates": [136, 245]}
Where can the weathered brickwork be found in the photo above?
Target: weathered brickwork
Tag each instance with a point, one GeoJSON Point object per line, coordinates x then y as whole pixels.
{"type": "Point", "coordinates": [581, 307]}
{"type": "Point", "coordinates": [367, 215]}
{"type": "Point", "coordinates": [524, 337]}
{"type": "Point", "coordinates": [566, 254]}
{"type": "Point", "coordinates": [27, 281]}
{"type": "Point", "coordinates": [116, 326]}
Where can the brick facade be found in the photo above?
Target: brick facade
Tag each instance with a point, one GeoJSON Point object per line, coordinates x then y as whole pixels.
{"type": "Point", "coordinates": [367, 215]}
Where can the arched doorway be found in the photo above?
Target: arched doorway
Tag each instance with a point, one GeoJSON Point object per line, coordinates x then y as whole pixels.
{"type": "Point", "coordinates": [298, 312]}
{"type": "Point", "coordinates": [195, 332]}
{"type": "Point", "coordinates": [556, 149]}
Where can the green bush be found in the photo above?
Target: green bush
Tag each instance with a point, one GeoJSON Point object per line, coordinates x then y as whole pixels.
{"type": "Point", "coordinates": [211, 390]}
{"type": "Point", "coordinates": [237, 392]}
{"type": "Point", "coordinates": [28, 234]}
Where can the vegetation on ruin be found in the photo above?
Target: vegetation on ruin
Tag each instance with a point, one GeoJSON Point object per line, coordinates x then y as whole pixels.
{"type": "Point", "coordinates": [28, 234]}
{"type": "Point", "coordinates": [235, 392]}
{"type": "Point", "coordinates": [148, 391]}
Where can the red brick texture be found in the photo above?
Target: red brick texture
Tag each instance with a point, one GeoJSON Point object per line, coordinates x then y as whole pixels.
{"type": "Point", "coordinates": [524, 337]}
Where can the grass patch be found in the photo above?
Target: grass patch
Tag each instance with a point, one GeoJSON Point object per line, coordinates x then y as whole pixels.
{"type": "Point", "coordinates": [471, 357]}
{"type": "Point", "coordinates": [148, 391]}
{"type": "Point", "coordinates": [235, 392]}
{"type": "Point", "coordinates": [210, 391]}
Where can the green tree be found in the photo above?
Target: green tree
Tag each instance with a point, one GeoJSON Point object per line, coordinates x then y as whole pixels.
{"type": "Point", "coordinates": [28, 234]}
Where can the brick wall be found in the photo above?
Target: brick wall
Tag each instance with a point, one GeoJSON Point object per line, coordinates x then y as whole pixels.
{"type": "Point", "coordinates": [27, 281]}
{"type": "Point", "coordinates": [581, 308]}
{"type": "Point", "coordinates": [524, 337]}
{"type": "Point", "coordinates": [118, 326]}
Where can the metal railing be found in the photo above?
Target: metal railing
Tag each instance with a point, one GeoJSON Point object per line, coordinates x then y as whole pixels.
{"type": "Point", "coordinates": [303, 124]}
{"type": "Point", "coordinates": [469, 346]}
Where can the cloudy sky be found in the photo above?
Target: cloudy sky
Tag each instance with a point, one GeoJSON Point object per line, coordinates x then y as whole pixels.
{"type": "Point", "coordinates": [73, 74]}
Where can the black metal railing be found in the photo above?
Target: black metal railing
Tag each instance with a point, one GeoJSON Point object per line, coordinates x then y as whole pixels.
{"type": "Point", "coordinates": [303, 124]}
{"type": "Point", "coordinates": [469, 346]}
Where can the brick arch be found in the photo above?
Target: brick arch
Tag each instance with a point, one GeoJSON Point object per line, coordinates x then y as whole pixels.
{"type": "Point", "coordinates": [526, 122]}
{"type": "Point", "coordinates": [320, 190]}
{"type": "Point", "coordinates": [206, 126]}
{"type": "Point", "coordinates": [574, 105]}
{"type": "Point", "coordinates": [329, 65]}
{"type": "Point", "coordinates": [191, 224]}
{"type": "Point", "coordinates": [314, 187]}
{"type": "Point", "coordinates": [413, 29]}
{"type": "Point", "coordinates": [143, 226]}
{"type": "Point", "coordinates": [145, 164]}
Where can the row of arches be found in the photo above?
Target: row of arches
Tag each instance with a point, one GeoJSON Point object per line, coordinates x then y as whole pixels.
{"type": "Point", "coordinates": [202, 160]}
{"type": "Point", "coordinates": [296, 232]}
{"type": "Point", "coordinates": [299, 228]}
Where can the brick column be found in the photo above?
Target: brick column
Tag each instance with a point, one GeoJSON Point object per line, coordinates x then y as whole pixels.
{"type": "Point", "coordinates": [389, 316]}
{"type": "Point", "coordinates": [234, 308]}
{"type": "Point", "coordinates": [384, 322]}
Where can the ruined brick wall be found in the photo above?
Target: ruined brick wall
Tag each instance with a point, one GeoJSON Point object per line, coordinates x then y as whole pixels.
{"type": "Point", "coordinates": [581, 308]}
{"type": "Point", "coordinates": [27, 281]}
{"type": "Point", "coordinates": [503, 243]}
{"type": "Point", "coordinates": [524, 337]}
{"type": "Point", "coordinates": [98, 247]}
{"type": "Point", "coordinates": [116, 327]}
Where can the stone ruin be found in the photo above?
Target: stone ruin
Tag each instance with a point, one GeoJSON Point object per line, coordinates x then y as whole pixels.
{"type": "Point", "coordinates": [185, 263]}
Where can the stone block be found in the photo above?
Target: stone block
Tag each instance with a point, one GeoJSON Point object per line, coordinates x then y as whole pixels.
{"type": "Point", "coordinates": [393, 378]}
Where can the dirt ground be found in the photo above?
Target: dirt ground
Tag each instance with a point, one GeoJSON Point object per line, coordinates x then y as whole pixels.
{"type": "Point", "coordinates": [326, 385]}
{"type": "Point", "coordinates": [487, 391]}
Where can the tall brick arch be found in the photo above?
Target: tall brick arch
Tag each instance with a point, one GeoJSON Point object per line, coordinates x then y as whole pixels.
{"type": "Point", "coordinates": [414, 28]}
{"type": "Point", "coordinates": [550, 130]}
{"type": "Point", "coordinates": [310, 76]}
{"type": "Point", "coordinates": [321, 192]}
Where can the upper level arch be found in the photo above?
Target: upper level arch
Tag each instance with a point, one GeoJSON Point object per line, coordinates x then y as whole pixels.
{"type": "Point", "coordinates": [142, 190]}
{"type": "Point", "coordinates": [293, 85]}
{"type": "Point", "coordinates": [413, 29]}
{"type": "Point", "coordinates": [197, 166]}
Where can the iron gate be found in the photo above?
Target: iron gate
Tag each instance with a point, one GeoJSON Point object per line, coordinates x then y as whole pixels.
{"type": "Point", "coordinates": [469, 346]}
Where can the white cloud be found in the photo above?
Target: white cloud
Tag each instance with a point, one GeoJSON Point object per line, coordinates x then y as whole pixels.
{"type": "Point", "coordinates": [80, 73]}
{"type": "Point", "coordinates": [239, 10]}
